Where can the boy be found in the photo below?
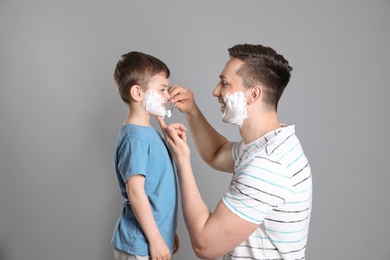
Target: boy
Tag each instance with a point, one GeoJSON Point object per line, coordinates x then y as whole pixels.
{"type": "Point", "coordinates": [147, 225]}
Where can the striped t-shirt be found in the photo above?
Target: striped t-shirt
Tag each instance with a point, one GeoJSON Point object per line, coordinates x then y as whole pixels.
{"type": "Point", "coordinates": [272, 187]}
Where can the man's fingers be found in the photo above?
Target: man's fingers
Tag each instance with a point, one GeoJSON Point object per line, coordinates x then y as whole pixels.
{"type": "Point", "coordinates": [175, 134]}
{"type": "Point", "coordinates": [173, 131]}
{"type": "Point", "coordinates": [176, 92]}
{"type": "Point", "coordinates": [182, 135]}
{"type": "Point", "coordinates": [176, 89]}
{"type": "Point", "coordinates": [161, 122]}
{"type": "Point", "coordinates": [179, 97]}
{"type": "Point", "coordinates": [180, 130]}
{"type": "Point", "coordinates": [179, 126]}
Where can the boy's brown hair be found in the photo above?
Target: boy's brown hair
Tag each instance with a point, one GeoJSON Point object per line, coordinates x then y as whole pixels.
{"type": "Point", "coordinates": [137, 68]}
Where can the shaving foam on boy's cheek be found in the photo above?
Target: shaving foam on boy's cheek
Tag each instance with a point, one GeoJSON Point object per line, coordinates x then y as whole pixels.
{"type": "Point", "coordinates": [235, 110]}
{"type": "Point", "coordinates": [153, 103]}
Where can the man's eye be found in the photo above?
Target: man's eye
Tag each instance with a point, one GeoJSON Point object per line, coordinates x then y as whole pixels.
{"type": "Point", "coordinates": [224, 83]}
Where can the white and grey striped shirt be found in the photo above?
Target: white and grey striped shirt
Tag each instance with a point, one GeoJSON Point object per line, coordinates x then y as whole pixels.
{"type": "Point", "coordinates": [272, 187]}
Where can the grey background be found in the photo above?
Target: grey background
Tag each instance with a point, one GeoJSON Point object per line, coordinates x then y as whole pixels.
{"type": "Point", "coordinates": [60, 114]}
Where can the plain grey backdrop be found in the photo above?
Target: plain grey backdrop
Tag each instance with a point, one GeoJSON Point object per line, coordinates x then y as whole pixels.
{"type": "Point", "coordinates": [60, 114]}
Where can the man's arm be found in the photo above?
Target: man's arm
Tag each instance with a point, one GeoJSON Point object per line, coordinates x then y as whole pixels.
{"type": "Point", "coordinates": [143, 212]}
{"type": "Point", "coordinates": [213, 147]}
{"type": "Point", "coordinates": [212, 234]}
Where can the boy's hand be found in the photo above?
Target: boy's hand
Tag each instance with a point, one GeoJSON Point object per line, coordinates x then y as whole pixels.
{"type": "Point", "coordinates": [176, 244]}
{"type": "Point", "coordinates": [159, 250]}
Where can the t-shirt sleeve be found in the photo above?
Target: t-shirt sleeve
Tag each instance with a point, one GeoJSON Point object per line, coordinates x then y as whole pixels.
{"type": "Point", "coordinates": [235, 151]}
{"type": "Point", "coordinates": [256, 188]}
{"type": "Point", "coordinates": [133, 159]}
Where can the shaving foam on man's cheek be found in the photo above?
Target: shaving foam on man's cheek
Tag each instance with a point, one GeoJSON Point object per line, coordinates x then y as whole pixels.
{"type": "Point", "coordinates": [153, 103]}
{"type": "Point", "coordinates": [235, 110]}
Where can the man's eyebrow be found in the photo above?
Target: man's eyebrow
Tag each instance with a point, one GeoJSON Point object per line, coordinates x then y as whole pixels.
{"type": "Point", "coordinates": [222, 77]}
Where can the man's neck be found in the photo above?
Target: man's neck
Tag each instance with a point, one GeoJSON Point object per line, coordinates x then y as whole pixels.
{"type": "Point", "coordinates": [255, 127]}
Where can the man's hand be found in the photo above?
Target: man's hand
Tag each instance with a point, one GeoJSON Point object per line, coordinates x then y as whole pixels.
{"type": "Point", "coordinates": [175, 138]}
{"type": "Point", "coordinates": [179, 127]}
{"type": "Point", "coordinates": [183, 99]}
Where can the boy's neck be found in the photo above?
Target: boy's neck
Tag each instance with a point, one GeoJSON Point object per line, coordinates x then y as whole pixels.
{"type": "Point", "coordinates": [138, 117]}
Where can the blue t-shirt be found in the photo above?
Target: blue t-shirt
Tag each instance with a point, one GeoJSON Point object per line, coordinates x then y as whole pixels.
{"type": "Point", "coordinates": [141, 150]}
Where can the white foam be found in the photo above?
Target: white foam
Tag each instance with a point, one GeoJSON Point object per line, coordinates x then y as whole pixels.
{"type": "Point", "coordinates": [169, 113]}
{"type": "Point", "coordinates": [235, 108]}
{"type": "Point", "coordinates": [153, 103]}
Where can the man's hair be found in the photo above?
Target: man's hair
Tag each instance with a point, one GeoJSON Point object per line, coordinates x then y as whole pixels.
{"type": "Point", "coordinates": [263, 66]}
{"type": "Point", "coordinates": [137, 68]}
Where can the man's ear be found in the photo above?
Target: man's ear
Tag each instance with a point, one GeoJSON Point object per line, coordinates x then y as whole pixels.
{"type": "Point", "coordinates": [136, 93]}
{"type": "Point", "coordinates": [256, 93]}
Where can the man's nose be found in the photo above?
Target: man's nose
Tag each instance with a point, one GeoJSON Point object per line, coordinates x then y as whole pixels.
{"type": "Point", "coordinates": [216, 91]}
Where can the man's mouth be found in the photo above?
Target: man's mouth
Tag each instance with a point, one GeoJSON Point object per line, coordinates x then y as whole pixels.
{"type": "Point", "coordinates": [223, 105]}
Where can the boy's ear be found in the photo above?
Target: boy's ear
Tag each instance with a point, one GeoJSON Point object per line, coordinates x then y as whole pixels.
{"type": "Point", "coordinates": [255, 93]}
{"type": "Point", "coordinates": [136, 93]}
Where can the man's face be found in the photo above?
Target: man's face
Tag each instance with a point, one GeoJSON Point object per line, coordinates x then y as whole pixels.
{"type": "Point", "coordinates": [229, 82]}
{"type": "Point", "coordinates": [156, 95]}
{"type": "Point", "coordinates": [231, 93]}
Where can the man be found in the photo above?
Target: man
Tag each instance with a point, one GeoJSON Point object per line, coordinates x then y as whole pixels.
{"type": "Point", "coordinates": [266, 212]}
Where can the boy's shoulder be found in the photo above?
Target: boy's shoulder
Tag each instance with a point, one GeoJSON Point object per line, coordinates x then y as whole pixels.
{"type": "Point", "coordinates": [137, 132]}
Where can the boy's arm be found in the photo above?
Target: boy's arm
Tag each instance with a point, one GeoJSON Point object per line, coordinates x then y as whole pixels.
{"type": "Point", "coordinates": [143, 212]}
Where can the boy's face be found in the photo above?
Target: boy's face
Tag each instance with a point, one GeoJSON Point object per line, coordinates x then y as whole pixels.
{"type": "Point", "coordinates": [156, 95]}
